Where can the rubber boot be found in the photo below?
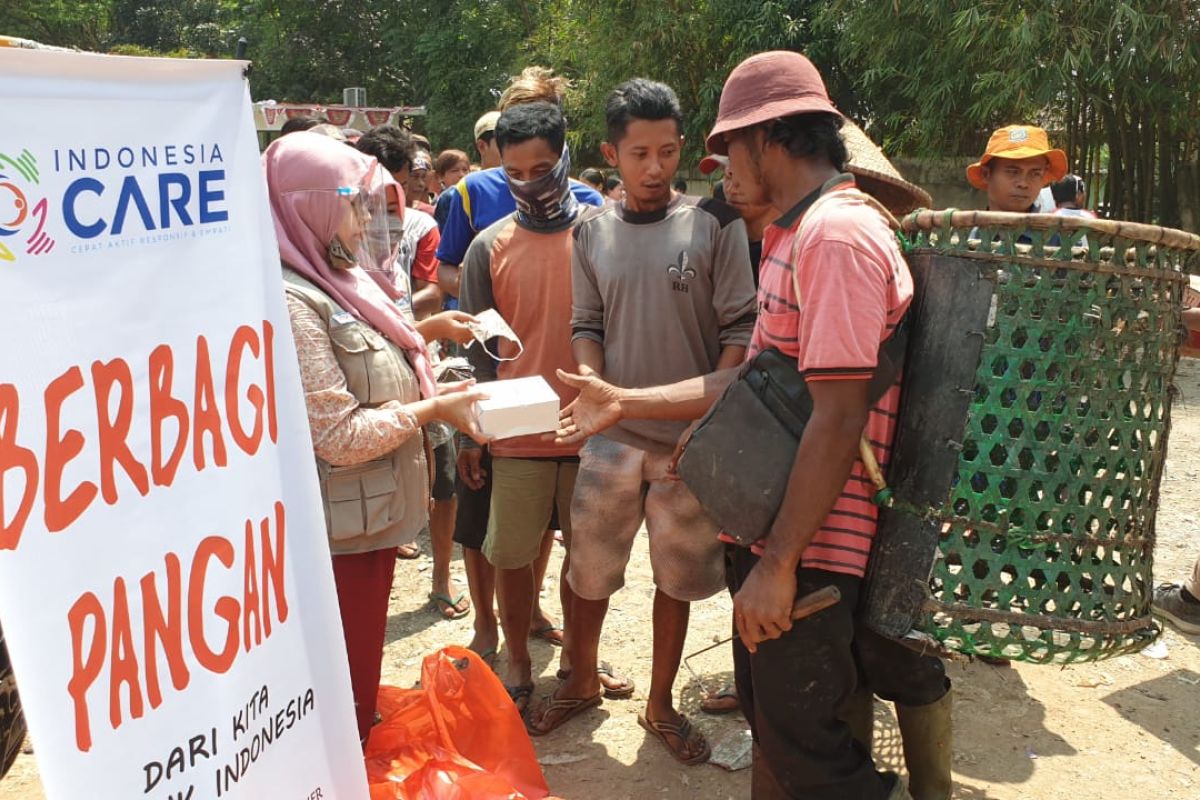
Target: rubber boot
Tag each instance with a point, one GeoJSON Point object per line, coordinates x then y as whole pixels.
{"type": "Point", "coordinates": [859, 713]}
{"type": "Point", "coordinates": [926, 732]}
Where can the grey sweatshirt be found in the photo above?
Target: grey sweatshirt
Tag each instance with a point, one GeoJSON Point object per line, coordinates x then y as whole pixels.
{"type": "Point", "coordinates": [663, 292]}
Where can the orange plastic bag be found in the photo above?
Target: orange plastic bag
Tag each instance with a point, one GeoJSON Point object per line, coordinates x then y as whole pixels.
{"type": "Point", "coordinates": [458, 737]}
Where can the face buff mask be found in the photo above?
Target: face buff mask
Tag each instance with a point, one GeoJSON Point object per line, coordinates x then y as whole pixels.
{"type": "Point", "coordinates": [490, 325]}
{"type": "Point", "coordinates": [547, 201]}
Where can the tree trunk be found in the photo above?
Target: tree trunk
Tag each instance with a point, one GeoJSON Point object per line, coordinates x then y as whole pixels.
{"type": "Point", "coordinates": [1115, 194]}
{"type": "Point", "coordinates": [1168, 195]}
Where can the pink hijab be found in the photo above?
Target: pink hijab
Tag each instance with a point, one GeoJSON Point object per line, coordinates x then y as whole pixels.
{"type": "Point", "coordinates": [303, 172]}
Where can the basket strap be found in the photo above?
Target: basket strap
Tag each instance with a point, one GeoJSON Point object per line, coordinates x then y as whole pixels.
{"type": "Point", "coordinates": [855, 192]}
{"type": "Point", "coordinates": [866, 454]}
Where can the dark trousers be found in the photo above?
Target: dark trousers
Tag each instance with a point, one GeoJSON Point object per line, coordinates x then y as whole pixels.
{"type": "Point", "coordinates": [364, 584]}
{"type": "Point", "coordinates": [792, 688]}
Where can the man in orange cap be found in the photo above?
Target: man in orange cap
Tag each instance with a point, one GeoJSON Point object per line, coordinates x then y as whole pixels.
{"type": "Point", "coordinates": [1018, 163]}
{"type": "Point", "coordinates": [833, 287]}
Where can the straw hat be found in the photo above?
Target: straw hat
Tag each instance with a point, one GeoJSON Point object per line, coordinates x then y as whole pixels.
{"type": "Point", "coordinates": [877, 176]}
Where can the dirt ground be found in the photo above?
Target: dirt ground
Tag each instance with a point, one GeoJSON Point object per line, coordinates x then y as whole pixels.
{"type": "Point", "coordinates": [1118, 729]}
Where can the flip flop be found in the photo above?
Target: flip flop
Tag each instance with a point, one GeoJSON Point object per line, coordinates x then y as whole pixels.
{"type": "Point", "coordinates": [605, 670]}
{"type": "Point", "coordinates": [683, 732]}
{"type": "Point", "coordinates": [407, 552]}
{"type": "Point", "coordinates": [567, 708]}
{"type": "Point", "coordinates": [520, 695]}
{"type": "Point", "coordinates": [723, 702]}
{"type": "Point", "coordinates": [450, 605]}
{"type": "Point", "coordinates": [546, 634]}
{"type": "Point", "coordinates": [489, 657]}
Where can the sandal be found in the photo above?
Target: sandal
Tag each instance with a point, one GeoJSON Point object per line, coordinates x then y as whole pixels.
{"type": "Point", "coordinates": [566, 709]}
{"type": "Point", "coordinates": [724, 701]}
{"type": "Point", "coordinates": [450, 609]}
{"type": "Point", "coordinates": [407, 552]}
{"type": "Point", "coordinates": [684, 733]}
{"type": "Point", "coordinates": [623, 691]}
{"type": "Point", "coordinates": [520, 695]}
{"type": "Point", "coordinates": [547, 634]}
{"type": "Point", "coordinates": [489, 657]}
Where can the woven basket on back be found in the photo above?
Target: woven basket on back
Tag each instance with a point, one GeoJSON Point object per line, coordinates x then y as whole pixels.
{"type": "Point", "coordinates": [1032, 435]}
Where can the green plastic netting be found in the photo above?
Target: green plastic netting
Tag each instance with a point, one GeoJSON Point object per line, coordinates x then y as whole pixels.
{"type": "Point", "coordinates": [1047, 538]}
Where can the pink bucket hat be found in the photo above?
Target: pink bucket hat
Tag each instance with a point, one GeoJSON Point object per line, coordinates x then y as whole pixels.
{"type": "Point", "coordinates": [767, 86]}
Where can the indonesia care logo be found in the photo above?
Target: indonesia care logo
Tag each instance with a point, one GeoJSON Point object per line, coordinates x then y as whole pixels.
{"type": "Point", "coordinates": [22, 211]}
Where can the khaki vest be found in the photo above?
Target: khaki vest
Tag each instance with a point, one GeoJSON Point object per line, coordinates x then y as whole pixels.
{"type": "Point", "coordinates": [380, 503]}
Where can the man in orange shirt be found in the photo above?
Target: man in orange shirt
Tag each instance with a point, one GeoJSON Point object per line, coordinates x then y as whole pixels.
{"type": "Point", "coordinates": [521, 267]}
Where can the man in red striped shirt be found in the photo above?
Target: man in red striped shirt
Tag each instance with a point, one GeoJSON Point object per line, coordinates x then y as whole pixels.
{"type": "Point", "coordinates": [833, 286]}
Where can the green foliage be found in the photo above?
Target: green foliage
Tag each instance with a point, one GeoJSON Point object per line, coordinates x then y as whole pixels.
{"type": "Point", "coordinates": [197, 27]}
{"type": "Point", "coordinates": [67, 23]}
{"type": "Point", "coordinates": [461, 56]}
{"type": "Point", "coordinates": [1114, 81]}
{"type": "Point", "coordinates": [308, 52]}
{"type": "Point", "coordinates": [689, 44]}
{"type": "Point", "coordinates": [1117, 82]}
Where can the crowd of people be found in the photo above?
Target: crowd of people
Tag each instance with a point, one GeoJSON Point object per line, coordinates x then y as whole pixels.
{"type": "Point", "coordinates": [638, 303]}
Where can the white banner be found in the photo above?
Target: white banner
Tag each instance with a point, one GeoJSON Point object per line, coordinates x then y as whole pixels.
{"type": "Point", "coordinates": [165, 583]}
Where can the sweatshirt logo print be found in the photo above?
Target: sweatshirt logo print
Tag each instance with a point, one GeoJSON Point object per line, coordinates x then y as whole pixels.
{"type": "Point", "coordinates": [681, 273]}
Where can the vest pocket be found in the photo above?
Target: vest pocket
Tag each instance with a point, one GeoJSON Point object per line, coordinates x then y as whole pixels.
{"type": "Point", "coordinates": [352, 351]}
{"type": "Point", "coordinates": [368, 363]}
{"type": "Point", "coordinates": [362, 499]}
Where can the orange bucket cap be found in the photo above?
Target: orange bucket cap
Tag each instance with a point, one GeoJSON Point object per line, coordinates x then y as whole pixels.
{"type": "Point", "coordinates": [1017, 142]}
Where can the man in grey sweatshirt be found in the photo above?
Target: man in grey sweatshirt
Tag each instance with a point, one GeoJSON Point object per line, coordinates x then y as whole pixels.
{"type": "Point", "coordinates": [662, 291]}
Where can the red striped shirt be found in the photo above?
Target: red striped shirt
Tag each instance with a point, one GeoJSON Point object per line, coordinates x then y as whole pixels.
{"type": "Point", "coordinates": [854, 288]}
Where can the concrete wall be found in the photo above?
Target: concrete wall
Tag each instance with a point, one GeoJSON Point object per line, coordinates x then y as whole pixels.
{"type": "Point", "coordinates": [944, 178]}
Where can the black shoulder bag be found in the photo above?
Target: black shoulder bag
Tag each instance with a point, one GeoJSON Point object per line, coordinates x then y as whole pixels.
{"type": "Point", "coordinates": [740, 456]}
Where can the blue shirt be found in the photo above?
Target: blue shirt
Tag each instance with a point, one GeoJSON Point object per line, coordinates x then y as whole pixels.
{"type": "Point", "coordinates": [477, 201]}
{"type": "Point", "coordinates": [442, 209]}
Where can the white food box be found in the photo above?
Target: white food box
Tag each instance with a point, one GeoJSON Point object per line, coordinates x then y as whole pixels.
{"type": "Point", "coordinates": [518, 407]}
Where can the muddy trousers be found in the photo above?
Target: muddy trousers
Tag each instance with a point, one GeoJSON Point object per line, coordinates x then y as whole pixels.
{"type": "Point", "coordinates": [792, 689]}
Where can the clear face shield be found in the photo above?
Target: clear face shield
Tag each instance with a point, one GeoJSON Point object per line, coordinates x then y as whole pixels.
{"type": "Point", "coordinates": [363, 237]}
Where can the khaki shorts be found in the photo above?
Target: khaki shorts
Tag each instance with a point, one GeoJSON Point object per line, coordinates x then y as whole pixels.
{"type": "Point", "coordinates": [525, 493]}
{"type": "Point", "coordinates": [618, 487]}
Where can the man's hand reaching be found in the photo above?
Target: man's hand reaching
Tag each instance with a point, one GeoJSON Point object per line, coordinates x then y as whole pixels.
{"type": "Point", "coordinates": [597, 408]}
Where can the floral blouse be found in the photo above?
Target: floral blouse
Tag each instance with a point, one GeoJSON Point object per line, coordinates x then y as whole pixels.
{"type": "Point", "coordinates": [343, 432]}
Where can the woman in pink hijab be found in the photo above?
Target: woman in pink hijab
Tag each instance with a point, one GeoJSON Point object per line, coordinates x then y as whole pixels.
{"type": "Point", "coordinates": [368, 385]}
